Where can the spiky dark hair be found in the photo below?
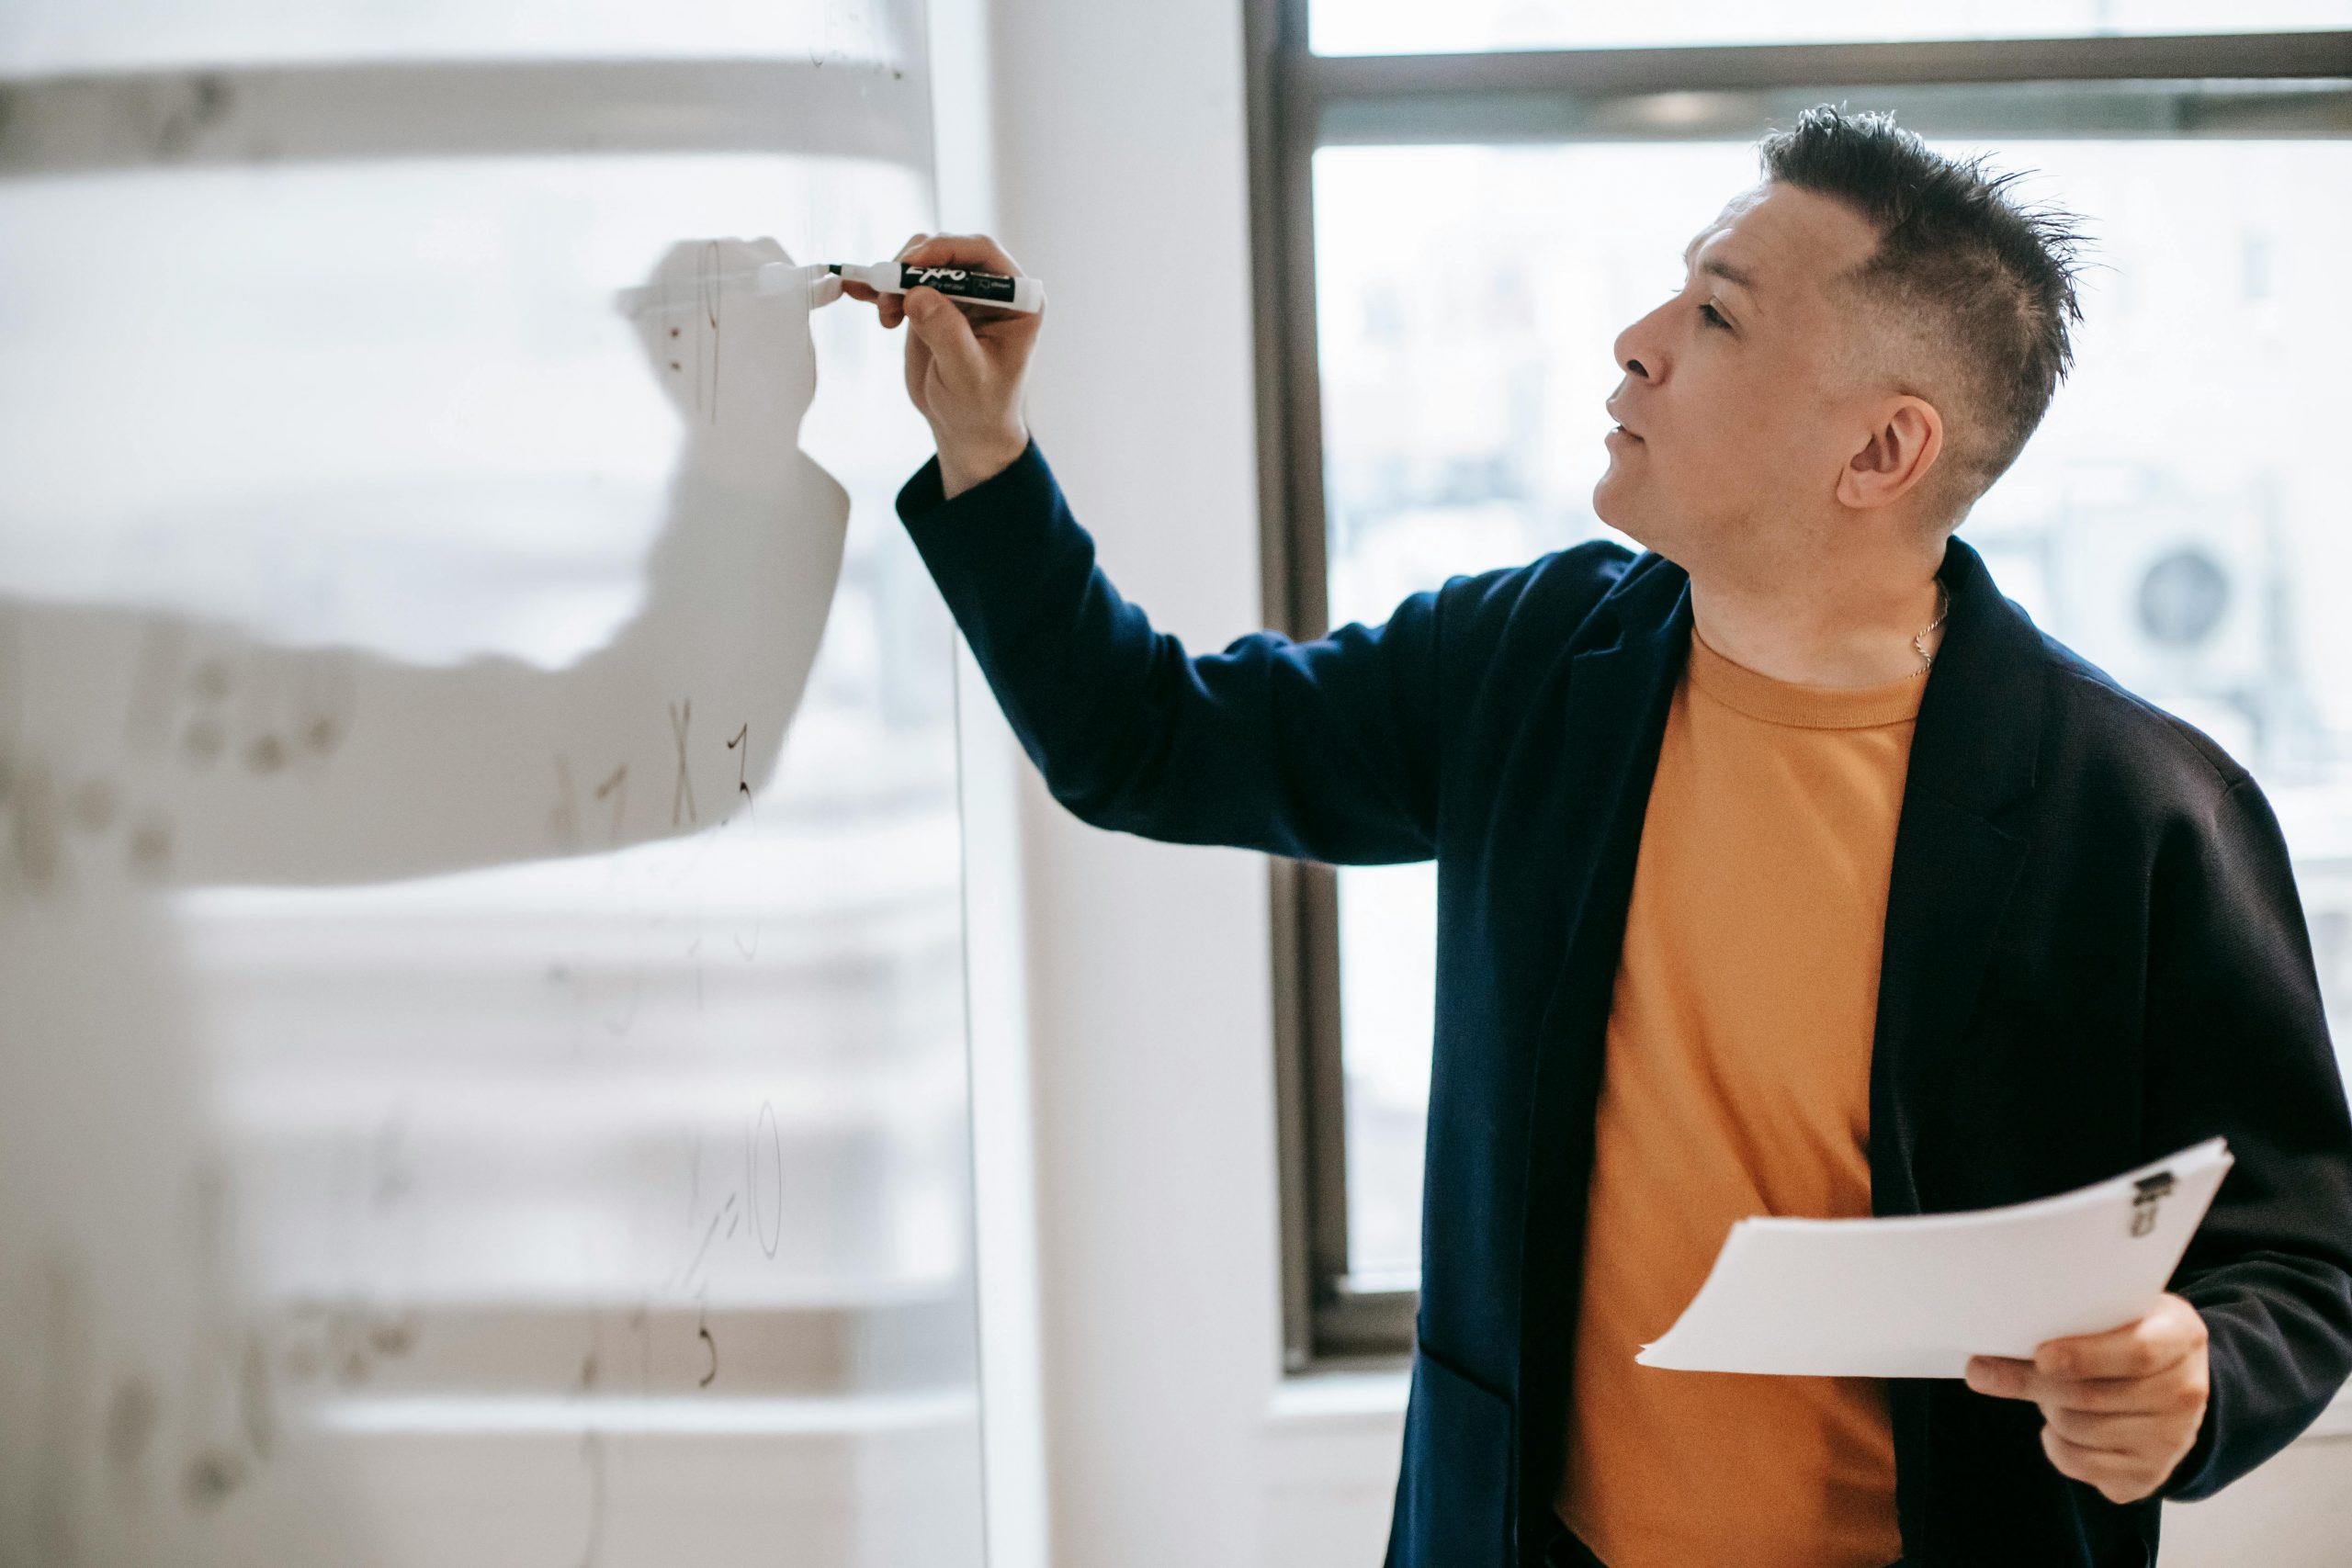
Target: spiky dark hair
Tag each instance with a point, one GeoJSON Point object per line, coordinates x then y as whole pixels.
{"type": "Point", "coordinates": [1988, 280]}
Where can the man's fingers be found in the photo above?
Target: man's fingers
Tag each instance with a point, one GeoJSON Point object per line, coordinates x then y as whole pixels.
{"type": "Point", "coordinates": [984, 319]}
{"type": "Point", "coordinates": [2155, 1344]}
{"type": "Point", "coordinates": [2072, 1458]}
{"type": "Point", "coordinates": [2003, 1377]}
{"type": "Point", "coordinates": [2119, 1480]}
{"type": "Point", "coordinates": [961, 250]}
{"type": "Point", "coordinates": [889, 308]}
{"type": "Point", "coordinates": [957, 250]}
{"type": "Point", "coordinates": [2007, 1379]}
{"type": "Point", "coordinates": [984, 316]}
{"type": "Point", "coordinates": [949, 337]}
{"type": "Point", "coordinates": [886, 306]}
{"type": "Point", "coordinates": [2110, 1434]}
{"type": "Point", "coordinates": [2120, 1396]}
{"type": "Point", "coordinates": [2138, 1351]}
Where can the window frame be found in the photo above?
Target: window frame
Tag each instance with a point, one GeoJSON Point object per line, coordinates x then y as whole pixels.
{"type": "Point", "coordinates": [2291, 84]}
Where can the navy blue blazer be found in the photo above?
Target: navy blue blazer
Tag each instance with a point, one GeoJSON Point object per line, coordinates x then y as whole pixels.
{"type": "Point", "coordinates": [2094, 955]}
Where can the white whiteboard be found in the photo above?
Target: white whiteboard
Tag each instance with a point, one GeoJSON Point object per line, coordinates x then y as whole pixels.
{"type": "Point", "coordinates": [482, 1036]}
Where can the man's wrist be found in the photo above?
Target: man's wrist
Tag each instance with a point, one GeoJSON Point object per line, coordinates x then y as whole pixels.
{"type": "Point", "coordinates": [964, 464]}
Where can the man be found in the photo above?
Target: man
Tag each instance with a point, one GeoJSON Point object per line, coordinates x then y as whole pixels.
{"type": "Point", "coordinates": [1784, 868]}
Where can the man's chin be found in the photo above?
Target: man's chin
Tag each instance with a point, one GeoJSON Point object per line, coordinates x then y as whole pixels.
{"type": "Point", "coordinates": [1621, 512]}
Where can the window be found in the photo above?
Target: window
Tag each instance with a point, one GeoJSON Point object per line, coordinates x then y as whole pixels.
{"type": "Point", "coordinates": [1409, 27]}
{"type": "Point", "coordinates": [1447, 248]}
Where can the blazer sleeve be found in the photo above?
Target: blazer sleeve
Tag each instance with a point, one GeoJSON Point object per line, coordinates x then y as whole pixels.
{"type": "Point", "coordinates": [2239, 1045]}
{"type": "Point", "coordinates": [1322, 751]}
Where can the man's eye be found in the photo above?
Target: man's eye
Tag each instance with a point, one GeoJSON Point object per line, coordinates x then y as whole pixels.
{"type": "Point", "coordinates": [1713, 317]}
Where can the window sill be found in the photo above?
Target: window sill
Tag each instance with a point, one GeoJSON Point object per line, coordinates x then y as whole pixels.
{"type": "Point", "coordinates": [1374, 1396]}
{"type": "Point", "coordinates": [1339, 1397]}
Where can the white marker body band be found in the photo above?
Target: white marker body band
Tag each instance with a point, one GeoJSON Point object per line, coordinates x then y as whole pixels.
{"type": "Point", "coordinates": [967, 284]}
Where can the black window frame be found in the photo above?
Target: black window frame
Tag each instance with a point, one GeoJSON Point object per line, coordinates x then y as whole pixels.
{"type": "Point", "coordinates": [2291, 84]}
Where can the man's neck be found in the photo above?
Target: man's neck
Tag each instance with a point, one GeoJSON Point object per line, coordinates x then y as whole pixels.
{"type": "Point", "coordinates": [1849, 631]}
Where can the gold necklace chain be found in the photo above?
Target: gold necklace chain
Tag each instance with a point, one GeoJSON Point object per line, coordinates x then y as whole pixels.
{"type": "Point", "coordinates": [1919, 639]}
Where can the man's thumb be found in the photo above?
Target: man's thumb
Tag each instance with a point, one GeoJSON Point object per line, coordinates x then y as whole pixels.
{"type": "Point", "coordinates": [949, 337]}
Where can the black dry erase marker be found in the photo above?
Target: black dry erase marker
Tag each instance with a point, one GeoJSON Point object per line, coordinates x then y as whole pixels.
{"type": "Point", "coordinates": [822, 285]}
{"type": "Point", "coordinates": [955, 282]}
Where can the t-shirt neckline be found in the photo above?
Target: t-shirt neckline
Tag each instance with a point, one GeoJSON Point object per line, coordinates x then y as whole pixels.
{"type": "Point", "coordinates": [1763, 697]}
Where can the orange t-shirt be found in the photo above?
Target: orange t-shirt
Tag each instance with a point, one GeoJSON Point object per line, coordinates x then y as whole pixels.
{"type": "Point", "coordinates": [1739, 1083]}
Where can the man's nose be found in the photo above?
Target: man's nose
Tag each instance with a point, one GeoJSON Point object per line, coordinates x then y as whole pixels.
{"type": "Point", "coordinates": [1640, 360]}
{"type": "Point", "coordinates": [1637, 350]}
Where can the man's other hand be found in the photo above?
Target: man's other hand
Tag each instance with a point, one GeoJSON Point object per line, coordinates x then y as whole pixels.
{"type": "Point", "coordinates": [2120, 1410]}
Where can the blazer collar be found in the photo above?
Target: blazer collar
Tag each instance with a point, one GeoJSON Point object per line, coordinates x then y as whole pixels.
{"type": "Point", "coordinates": [1978, 739]}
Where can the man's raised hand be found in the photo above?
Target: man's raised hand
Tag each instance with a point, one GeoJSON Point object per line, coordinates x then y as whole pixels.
{"type": "Point", "coordinates": [966, 363]}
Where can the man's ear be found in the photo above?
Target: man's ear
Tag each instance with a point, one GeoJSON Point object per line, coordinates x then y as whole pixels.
{"type": "Point", "coordinates": [1895, 456]}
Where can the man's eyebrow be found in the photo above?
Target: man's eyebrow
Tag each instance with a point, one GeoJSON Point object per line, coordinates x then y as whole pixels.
{"type": "Point", "coordinates": [1719, 267]}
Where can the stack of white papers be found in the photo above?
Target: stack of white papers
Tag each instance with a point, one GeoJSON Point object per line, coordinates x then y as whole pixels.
{"type": "Point", "coordinates": [1916, 1297]}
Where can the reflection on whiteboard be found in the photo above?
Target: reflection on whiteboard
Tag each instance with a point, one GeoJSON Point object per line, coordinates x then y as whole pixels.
{"type": "Point", "coordinates": [165, 1373]}
{"type": "Point", "coordinates": [156, 750]}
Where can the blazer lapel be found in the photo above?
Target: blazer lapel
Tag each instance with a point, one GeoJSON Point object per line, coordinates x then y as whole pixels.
{"type": "Point", "coordinates": [1618, 696]}
{"type": "Point", "coordinates": [1614, 716]}
{"type": "Point", "coordinates": [1973, 756]}
{"type": "Point", "coordinates": [1621, 690]}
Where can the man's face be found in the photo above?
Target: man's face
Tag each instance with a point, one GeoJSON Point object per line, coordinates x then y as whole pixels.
{"type": "Point", "coordinates": [1740, 404]}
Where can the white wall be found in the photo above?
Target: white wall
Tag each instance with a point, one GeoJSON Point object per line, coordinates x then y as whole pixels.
{"type": "Point", "coordinates": [1013, 1427]}
{"type": "Point", "coordinates": [1121, 139]}
{"type": "Point", "coordinates": [1171, 1439]}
